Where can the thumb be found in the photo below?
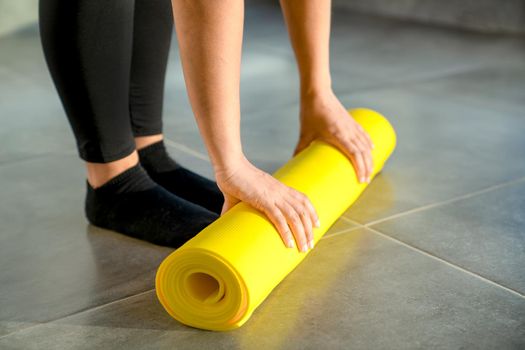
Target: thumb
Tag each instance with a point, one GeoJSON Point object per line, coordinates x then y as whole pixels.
{"type": "Point", "coordinates": [229, 202]}
{"type": "Point", "coordinates": [302, 144]}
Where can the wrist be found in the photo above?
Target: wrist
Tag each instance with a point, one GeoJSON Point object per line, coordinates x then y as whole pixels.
{"type": "Point", "coordinates": [228, 162]}
{"type": "Point", "coordinates": [320, 91]}
{"type": "Point", "coordinates": [317, 99]}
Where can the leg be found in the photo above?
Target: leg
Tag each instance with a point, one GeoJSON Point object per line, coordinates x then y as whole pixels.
{"type": "Point", "coordinates": [87, 45]}
{"type": "Point", "coordinates": [152, 32]}
{"type": "Point", "coordinates": [89, 61]}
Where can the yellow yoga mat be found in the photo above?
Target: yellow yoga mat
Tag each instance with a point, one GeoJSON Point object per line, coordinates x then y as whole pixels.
{"type": "Point", "coordinates": [218, 278]}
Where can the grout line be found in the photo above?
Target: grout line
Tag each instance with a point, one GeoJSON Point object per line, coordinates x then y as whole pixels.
{"type": "Point", "coordinates": [352, 221]}
{"type": "Point", "coordinates": [32, 325]}
{"type": "Point", "coordinates": [346, 230]}
{"type": "Point", "coordinates": [98, 307]}
{"type": "Point", "coordinates": [78, 313]}
{"type": "Point", "coordinates": [448, 201]}
{"type": "Point", "coordinates": [22, 330]}
{"type": "Point", "coordinates": [186, 149]}
{"type": "Point", "coordinates": [459, 268]}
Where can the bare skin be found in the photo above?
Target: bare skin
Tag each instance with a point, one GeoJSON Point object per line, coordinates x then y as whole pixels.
{"type": "Point", "coordinates": [144, 141]}
{"type": "Point", "coordinates": [100, 173]}
{"type": "Point", "coordinates": [322, 115]}
{"type": "Point", "coordinates": [211, 57]}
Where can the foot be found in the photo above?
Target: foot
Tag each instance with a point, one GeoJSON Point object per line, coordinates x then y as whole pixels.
{"type": "Point", "coordinates": [131, 203]}
{"type": "Point", "coordinates": [179, 180]}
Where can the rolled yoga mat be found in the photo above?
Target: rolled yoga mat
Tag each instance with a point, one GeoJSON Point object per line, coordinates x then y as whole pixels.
{"type": "Point", "coordinates": [218, 278]}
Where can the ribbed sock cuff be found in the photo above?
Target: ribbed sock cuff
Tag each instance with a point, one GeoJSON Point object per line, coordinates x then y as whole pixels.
{"type": "Point", "coordinates": [131, 180]}
{"type": "Point", "coordinates": [155, 158]}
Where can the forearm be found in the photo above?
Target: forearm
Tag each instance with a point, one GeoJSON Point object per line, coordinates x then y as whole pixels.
{"type": "Point", "coordinates": [308, 25]}
{"type": "Point", "coordinates": [210, 41]}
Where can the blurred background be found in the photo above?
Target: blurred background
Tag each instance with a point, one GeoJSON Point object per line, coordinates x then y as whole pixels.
{"type": "Point", "coordinates": [507, 16]}
{"type": "Point", "coordinates": [430, 256]}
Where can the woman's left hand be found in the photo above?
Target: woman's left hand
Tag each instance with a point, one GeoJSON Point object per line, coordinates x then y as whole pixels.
{"type": "Point", "coordinates": [325, 118]}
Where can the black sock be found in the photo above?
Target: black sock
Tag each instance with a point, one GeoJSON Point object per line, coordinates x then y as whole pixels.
{"type": "Point", "coordinates": [179, 180]}
{"type": "Point", "coordinates": [132, 204]}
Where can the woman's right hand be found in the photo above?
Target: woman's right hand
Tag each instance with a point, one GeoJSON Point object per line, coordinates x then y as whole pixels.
{"type": "Point", "coordinates": [284, 206]}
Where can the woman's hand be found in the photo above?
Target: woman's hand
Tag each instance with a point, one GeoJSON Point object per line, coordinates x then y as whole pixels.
{"type": "Point", "coordinates": [284, 206]}
{"type": "Point", "coordinates": [325, 118]}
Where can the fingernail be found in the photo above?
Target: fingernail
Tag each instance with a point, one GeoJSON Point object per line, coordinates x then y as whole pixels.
{"type": "Point", "coordinates": [290, 243]}
{"type": "Point", "coordinates": [304, 248]}
{"type": "Point", "coordinates": [368, 180]}
{"type": "Point", "coordinates": [362, 179]}
{"type": "Point", "coordinates": [318, 223]}
{"type": "Point", "coordinates": [311, 244]}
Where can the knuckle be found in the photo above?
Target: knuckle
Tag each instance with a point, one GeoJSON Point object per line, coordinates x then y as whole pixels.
{"type": "Point", "coordinates": [285, 232]}
{"type": "Point", "coordinates": [334, 129]}
{"type": "Point", "coordinates": [305, 201]}
{"type": "Point", "coordinates": [350, 146]}
{"type": "Point", "coordinates": [361, 145]}
{"type": "Point", "coordinates": [295, 221]}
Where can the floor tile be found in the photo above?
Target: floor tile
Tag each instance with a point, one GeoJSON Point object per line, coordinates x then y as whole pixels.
{"type": "Point", "coordinates": [21, 52]}
{"type": "Point", "coordinates": [500, 88]}
{"type": "Point", "coordinates": [364, 292]}
{"type": "Point", "coordinates": [33, 122]}
{"type": "Point", "coordinates": [188, 160]}
{"type": "Point", "coordinates": [340, 226]}
{"type": "Point", "coordinates": [389, 51]}
{"type": "Point", "coordinates": [484, 234]}
{"type": "Point", "coordinates": [53, 262]}
{"type": "Point", "coordinates": [7, 327]}
{"type": "Point", "coordinates": [444, 149]}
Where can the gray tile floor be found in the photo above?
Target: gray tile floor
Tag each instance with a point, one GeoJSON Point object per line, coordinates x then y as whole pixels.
{"type": "Point", "coordinates": [432, 254]}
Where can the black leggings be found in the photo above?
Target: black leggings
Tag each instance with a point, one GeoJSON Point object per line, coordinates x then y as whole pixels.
{"type": "Point", "coordinates": [108, 62]}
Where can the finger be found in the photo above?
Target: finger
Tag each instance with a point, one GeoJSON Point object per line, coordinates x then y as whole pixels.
{"type": "Point", "coordinates": [365, 135]}
{"type": "Point", "coordinates": [347, 147]}
{"type": "Point", "coordinates": [364, 140]}
{"type": "Point", "coordinates": [369, 163]}
{"type": "Point", "coordinates": [229, 202]}
{"type": "Point", "coordinates": [312, 213]}
{"type": "Point", "coordinates": [351, 151]}
{"type": "Point", "coordinates": [367, 156]}
{"type": "Point", "coordinates": [295, 223]}
{"type": "Point", "coordinates": [360, 146]}
{"type": "Point", "coordinates": [302, 144]}
{"type": "Point", "coordinates": [279, 221]}
{"type": "Point", "coordinates": [360, 142]}
{"type": "Point", "coordinates": [304, 215]}
{"type": "Point", "coordinates": [307, 222]}
{"type": "Point", "coordinates": [359, 165]}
